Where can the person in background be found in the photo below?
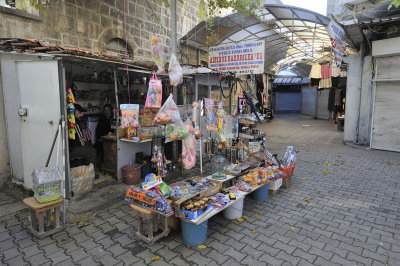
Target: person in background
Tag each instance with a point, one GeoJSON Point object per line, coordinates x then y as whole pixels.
{"type": "Point", "coordinates": [81, 147]}
{"type": "Point", "coordinates": [103, 128]}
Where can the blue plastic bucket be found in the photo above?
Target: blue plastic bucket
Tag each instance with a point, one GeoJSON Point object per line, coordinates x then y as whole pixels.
{"type": "Point", "coordinates": [194, 235]}
{"type": "Point", "coordinates": [260, 194]}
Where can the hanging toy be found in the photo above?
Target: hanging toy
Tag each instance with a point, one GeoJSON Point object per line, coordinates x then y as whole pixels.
{"type": "Point", "coordinates": [221, 118]}
{"type": "Point", "coordinates": [71, 113]}
{"type": "Point", "coordinates": [157, 55]}
{"type": "Point", "coordinates": [189, 149]}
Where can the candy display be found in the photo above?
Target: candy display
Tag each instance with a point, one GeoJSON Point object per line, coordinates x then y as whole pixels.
{"type": "Point", "coordinates": [219, 200]}
{"type": "Point", "coordinates": [243, 186]}
{"type": "Point", "coordinates": [191, 186]}
{"type": "Point", "coordinates": [175, 71]}
{"type": "Point", "coordinates": [130, 115]}
{"type": "Point", "coordinates": [154, 93]}
{"type": "Point", "coordinates": [156, 53]}
{"type": "Point", "coordinates": [210, 117]}
{"type": "Point", "coordinates": [148, 199]}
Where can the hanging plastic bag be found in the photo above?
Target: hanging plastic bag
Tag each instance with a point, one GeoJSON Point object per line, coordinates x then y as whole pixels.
{"type": "Point", "coordinates": [210, 117]}
{"type": "Point", "coordinates": [221, 119]}
{"type": "Point", "coordinates": [189, 148]}
{"type": "Point", "coordinates": [154, 93]}
{"type": "Point", "coordinates": [130, 115]}
{"type": "Point", "coordinates": [156, 53]}
{"type": "Point", "coordinates": [168, 113]}
{"type": "Point", "coordinates": [175, 71]}
{"type": "Point", "coordinates": [175, 131]}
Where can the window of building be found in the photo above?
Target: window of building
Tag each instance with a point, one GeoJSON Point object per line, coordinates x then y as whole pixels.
{"type": "Point", "coordinates": [118, 47]}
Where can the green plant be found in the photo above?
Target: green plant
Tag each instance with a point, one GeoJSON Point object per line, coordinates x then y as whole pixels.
{"type": "Point", "coordinates": [395, 3]}
{"type": "Point", "coordinates": [42, 5]}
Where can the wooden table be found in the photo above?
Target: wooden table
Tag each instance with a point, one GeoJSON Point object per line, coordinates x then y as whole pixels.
{"type": "Point", "coordinates": [40, 209]}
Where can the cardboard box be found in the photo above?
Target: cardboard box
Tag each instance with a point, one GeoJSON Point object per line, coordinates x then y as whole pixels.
{"type": "Point", "coordinates": [274, 185]}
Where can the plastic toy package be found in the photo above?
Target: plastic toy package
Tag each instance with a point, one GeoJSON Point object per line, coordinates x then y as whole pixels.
{"type": "Point", "coordinates": [156, 53]}
{"type": "Point", "coordinates": [130, 115]}
{"type": "Point", "coordinates": [189, 148]}
{"type": "Point", "coordinates": [243, 186]}
{"type": "Point", "coordinates": [175, 71]}
{"type": "Point", "coordinates": [71, 114]}
{"type": "Point", "coordinates": [219, 200]}
{"type": "Point", "coordinates": [290, 157]}
{"type": "Point", "coordinates": [148, 199]}
{"type": "Point", "coordinates": [154, 93]}
{"type": "Point", "coordinates": [210, 117]}
{"type": "Point", "coordinates": [196, 118]}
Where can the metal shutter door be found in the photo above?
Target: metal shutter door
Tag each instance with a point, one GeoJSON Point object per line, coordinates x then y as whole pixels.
{"type": "Point", "coordinates": [309, 101]}
{"type": "Point", "coordinates": [288, 102]}
{"type": "Point", "coordinates": [322, 103]}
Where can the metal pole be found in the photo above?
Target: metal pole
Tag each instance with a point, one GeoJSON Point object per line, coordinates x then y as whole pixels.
{"type": "Point", "coordinates": [117, 107]}
{"type": "Point", "coordinates": [174, 51]}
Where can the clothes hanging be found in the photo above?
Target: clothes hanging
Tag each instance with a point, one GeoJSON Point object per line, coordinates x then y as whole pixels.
{"type": "Point", "coordinates": [315, 72]}
{"type": "Point", "coordinates": [335, 69]}
{"type": "Point", "coordinates": [338, 93]}
{"type": "Point", "coordinates": [325, 83]}
{"type": "Point", "coordinates": [326, 71]}
{"type": "Point", "coordinates": [335, 82]}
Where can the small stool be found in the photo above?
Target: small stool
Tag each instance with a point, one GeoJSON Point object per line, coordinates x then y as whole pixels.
{"type": "Point", "coordinates": [40, 209]}
{"type": "Point", "coordinates": [152, 225]}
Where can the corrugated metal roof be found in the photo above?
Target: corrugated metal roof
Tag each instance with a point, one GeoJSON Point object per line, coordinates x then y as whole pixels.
{"type": "Point", "coordinates": [293, 36]}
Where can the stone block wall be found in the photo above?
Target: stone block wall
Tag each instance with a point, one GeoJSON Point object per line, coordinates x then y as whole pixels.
{"type": "Point", "coordinates": [91, 24]}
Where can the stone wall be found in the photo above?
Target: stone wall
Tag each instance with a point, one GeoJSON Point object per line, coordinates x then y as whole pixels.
{"type": "Point", "coordinates": [91, 24]}
{"type": "Point", "coordinates": [4, 160]}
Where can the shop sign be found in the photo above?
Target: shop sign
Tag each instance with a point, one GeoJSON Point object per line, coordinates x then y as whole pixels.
{"type": "Point", "coordinates": [241, 58]}
{"type": "Point", "coordinates": [337, 36]}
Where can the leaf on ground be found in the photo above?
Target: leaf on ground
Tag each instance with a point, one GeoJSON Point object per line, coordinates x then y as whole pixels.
{"type": "Point", "coordinates": [398, 164]}
{"type": "Point", "coordinates": [328, 197]}
{"type": "Point", "coordinates": [155, 258]}
{"type": "Point", "coordinates": [258, 216]}
{"type": "Point", "coordinates": [239, 220]}
{"type": "Point", "coordinates": [81, 224]}
{"type": "Point", "coordinates": [328, 164]}
{"type": "Point", "coordinates": [67, 228]}
{"type": "Point", "coordinates": [303, 178]}
{"type": "Point", "coordinates": [308, 199]}
{"type": "Point", "coordinates": [345, 178]}
{"type": "Point", "coordinates": [64, 239]}
{"type": "Point", "coordinates": [390, 239]}
{"type": "Point", "coordinates": [201, 246]}
{"type": "Point", "coordinates": [325, 172]}
{"type": "Point", "coordinates": [253, 231]}
{"type": "Point", "coordinates": [245, 217]}
{"type": "Point", "coordinates": [292, 228]}
{"type": "Point", "coordinates": [52, 218]}
{"type": "Point", "coordinates": [111, 191]}
{"type": "Point", "coordinates": [342, 162]}
{"type": "Point", "coordinates": [389, 163]}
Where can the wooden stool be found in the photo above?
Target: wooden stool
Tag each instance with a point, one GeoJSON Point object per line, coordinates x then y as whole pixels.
{"type": "Point", "coordinates": [152, 225]}
{"type": "Point", "coordinates": [40, 209]}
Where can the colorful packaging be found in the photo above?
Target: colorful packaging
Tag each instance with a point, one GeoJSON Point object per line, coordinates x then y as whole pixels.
{"type": "Point", "coordinates": [175, 71]}
{"type": "Point", "coordinates": [154, 93]}
{"type": "Point", "coordinates": [210, 117]}
{"type": "Point", "coordinates": [130, 115]}
{"type": "Point", "coordinates": [168, 113]}
{"type": "Point", "coordinates": [156, 53]}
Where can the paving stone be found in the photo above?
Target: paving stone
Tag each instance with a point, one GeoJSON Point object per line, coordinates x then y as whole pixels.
{"type": "Point", "coordinates": [16, 261]}
{"type": "Point", "coordinates": [78, 254]}
{"type": "Point", "coordinates": [128, 258]}
{"type": "Point", "coordinates": [287, 257]}
{"type": "Point", "coordinates": [178, 261]}
{"type": "Point", "coordinates": [107, 260]}
{"type": "Point", "coordinates": [10, 253]}
{"type": "Point", "coordinates": [166, 254]}
{"type": "Point", "coordinates": [30, 251]}
{"type": "Point", "coordinates": [37, 259]}
{"type": "Point", "coordinates": [58, 257]}
{"type": "Point", "coordinates": [199, 259]}
{"type": "Point", "coordinates": [234, 254]}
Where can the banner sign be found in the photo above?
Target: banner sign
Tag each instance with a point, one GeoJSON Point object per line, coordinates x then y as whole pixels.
{"type": "Point", "coordinates": [240, 58]}
{"type": "Point", "coordinates": [337, 36]}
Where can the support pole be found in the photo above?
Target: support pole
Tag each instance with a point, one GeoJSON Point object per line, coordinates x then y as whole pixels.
{"type": "Point", "coordinates": [174, 51]}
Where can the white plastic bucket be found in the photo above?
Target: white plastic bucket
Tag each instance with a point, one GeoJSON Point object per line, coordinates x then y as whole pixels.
{"type": "Point", "coordinates": [235, 210]}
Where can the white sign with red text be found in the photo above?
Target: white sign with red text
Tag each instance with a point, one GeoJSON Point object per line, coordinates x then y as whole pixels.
{"type": "Point", "coordinates": [337, 36]}
{"type": "Point", "coordinates": [241, 58]}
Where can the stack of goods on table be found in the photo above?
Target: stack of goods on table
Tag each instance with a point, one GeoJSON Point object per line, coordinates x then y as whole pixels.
{"type": "Point", "coordinates": [191, 186]}
{"type": "Point", "coordinates": [193, 208]}
{"type": "Point", "coordinates": [257, 177]}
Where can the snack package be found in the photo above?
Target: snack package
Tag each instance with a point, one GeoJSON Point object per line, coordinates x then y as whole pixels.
{"type": "Point", "coordinates": [130, 133]}
{"type": "Point", "coordinates": [130, 115]}
{"type": "Point", "coordinates": [168, 113]}
{"type": "Point", "coordinates": [210, 117]}
{"type": "Point", "coordinates": [154, 93]}
{"type": "Point", "coordinates": [156, 53]}
{"type": "Point", "coordinates": [189, 148]}
{"type": "Point", "coordinates": [175, 71]}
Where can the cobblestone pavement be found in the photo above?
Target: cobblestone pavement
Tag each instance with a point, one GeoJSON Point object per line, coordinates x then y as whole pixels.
{"type": "Point", "coordinates": [348, 216]}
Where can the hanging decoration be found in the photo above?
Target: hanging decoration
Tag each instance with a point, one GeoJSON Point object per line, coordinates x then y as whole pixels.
{"type": "Point", "coordinates": [154, 93]}
{"type": "Point", "coordinates": [71, 114]}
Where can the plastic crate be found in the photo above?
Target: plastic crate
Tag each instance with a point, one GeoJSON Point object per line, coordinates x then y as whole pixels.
{"type": "Point", "coordinates": [287, 171]}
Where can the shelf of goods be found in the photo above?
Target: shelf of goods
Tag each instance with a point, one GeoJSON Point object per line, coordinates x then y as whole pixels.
{"type": "Point", "coordinates": [134, 141]}
{"type": "Point", "coordinates": [250, 136]}
{"type": "Point", "coordinates": [247, 122]}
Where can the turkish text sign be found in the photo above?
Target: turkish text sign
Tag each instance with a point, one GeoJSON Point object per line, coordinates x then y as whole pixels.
{"type": "Point", "coordinates": [337, 36]}
{"type": "Point", "coordinates": [241, 58]}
